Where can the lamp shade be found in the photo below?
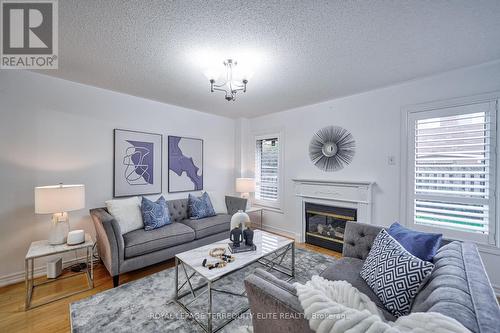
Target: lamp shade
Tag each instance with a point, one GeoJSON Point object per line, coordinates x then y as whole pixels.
{"type": "Point", "coordinates": [245, 185]}
{"type": "Point", "coordinates": [59, 198]}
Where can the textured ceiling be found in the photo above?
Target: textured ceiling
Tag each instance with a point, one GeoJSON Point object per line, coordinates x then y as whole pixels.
{"type": "Point", "coordinates": [301, 52]}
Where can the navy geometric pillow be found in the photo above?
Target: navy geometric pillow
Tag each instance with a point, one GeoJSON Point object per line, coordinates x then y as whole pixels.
{"type": "Point", "coordinates": [200, 207]}
{"type": "Point", "coordinates": [155, 214]}
{"type": "Point", "coordinates": [394, 274]}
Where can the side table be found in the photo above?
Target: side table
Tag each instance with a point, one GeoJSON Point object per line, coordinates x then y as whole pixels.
{"type": "Point", "coordinates": [254, 209]}
{"type": "Point", "coordinates": [42, 248]}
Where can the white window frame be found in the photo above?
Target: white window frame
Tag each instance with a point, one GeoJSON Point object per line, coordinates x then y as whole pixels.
{"type": "Point", "coordinates": [443, 109]}
{"type": "Point", "coordinates": [278, 204]}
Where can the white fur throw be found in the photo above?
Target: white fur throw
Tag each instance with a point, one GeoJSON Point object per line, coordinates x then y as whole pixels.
{"type": "Point", "coordinates": [337, 307]}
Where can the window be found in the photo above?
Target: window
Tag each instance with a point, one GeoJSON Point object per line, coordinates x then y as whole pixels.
{"type": "Point", "coordinates": [451, 169]}
{"type": "Point", "coordinates": [267, 170]}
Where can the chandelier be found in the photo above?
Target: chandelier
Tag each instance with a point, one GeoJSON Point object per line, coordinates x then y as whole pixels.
{"type": "Point", "coordinates": [229, 87]}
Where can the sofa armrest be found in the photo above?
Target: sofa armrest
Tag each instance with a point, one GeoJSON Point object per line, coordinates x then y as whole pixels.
{"type": "Point", "coordinates": [233, 204]}
{"type": "Point", "coordinates": [358, 239]}
{"type": "Point", "coordinates": [110, 242]}
{"type": "Point", "coordinates": [274, 304]}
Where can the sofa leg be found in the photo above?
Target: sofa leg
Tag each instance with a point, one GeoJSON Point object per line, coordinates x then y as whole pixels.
{"type": "Point", "coordinates": [116, 281]}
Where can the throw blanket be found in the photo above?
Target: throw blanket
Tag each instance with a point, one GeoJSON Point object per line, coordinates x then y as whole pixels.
{"type": "Point", "coordinates": [338, 307]}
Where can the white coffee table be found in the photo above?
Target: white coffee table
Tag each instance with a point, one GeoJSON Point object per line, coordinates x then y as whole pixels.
{"type": "Point", "coordinates": [271, 250]}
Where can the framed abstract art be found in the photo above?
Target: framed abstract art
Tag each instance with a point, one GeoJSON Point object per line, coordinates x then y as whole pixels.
{"type": "Point", "coordinates": [137, 163]}
{"type": "Point", "coordinates": [185, 164]}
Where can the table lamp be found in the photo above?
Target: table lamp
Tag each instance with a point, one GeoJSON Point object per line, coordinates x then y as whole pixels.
{"type": "Point", "coordinates": [58, 200]}
{"type": "Point", "coordinates": [245, 186]}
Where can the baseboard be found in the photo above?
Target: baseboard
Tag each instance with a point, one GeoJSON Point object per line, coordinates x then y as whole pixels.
{"type": "Point", "coordinates": [280, 231]}
{"type": "Point", "coordinates": [39, 271]}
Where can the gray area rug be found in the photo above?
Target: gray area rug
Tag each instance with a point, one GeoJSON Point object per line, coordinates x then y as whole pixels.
{"type": "Point", "coordinates": [144, 305]}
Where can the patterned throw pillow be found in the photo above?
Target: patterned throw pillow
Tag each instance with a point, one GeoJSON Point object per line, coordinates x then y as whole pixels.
{"type": "Point", "coordinates": [155, 214]}
{"type": "Point", "coordinates": [200, 207]}
{"type": "Point", "coordinates": [394, 274]}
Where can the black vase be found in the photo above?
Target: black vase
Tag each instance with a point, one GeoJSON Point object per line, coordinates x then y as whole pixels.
{"type": "Point", "coordinates": [248, 235]}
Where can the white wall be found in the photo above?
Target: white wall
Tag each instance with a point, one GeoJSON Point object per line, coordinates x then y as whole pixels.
{"type": "Point", "coordinates": [374, 118]}
{"type": "Point", "coordinates": [55, 131]}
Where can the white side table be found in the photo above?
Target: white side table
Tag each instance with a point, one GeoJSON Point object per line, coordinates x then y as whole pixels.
{"type": "Point", "coordinates": [42, 248]}
{"type": "Point", "coordinates": [254, 209]}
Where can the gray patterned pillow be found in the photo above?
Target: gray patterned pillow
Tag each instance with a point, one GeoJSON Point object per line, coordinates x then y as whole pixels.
{"type": "Point", "coordinates": [394, 274]}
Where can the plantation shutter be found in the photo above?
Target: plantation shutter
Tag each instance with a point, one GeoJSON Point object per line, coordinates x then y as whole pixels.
{"type": "Point", "coordinates": [454, 169]}
{"type": "Point", "coordinates": [267, 169]}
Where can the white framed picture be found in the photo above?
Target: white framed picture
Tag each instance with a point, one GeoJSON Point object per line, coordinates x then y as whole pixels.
{"type": "Point", "coordinates": [185, 164]}
{"type": "Point", "coordinates": [137, 163]}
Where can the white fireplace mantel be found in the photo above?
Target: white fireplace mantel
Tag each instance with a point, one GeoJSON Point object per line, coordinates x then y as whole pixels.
{"type": "Point", "coordinates": [349, 194]}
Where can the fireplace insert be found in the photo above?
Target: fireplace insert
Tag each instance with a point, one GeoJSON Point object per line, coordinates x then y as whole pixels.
{"type": "Point", "coordinates": [325, 225]}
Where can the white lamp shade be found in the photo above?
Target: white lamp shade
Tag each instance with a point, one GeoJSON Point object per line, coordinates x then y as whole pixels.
{"type": "Point", "coordinates": [59, 198]}
{"type": "Point", "coordinates": [245, 185]}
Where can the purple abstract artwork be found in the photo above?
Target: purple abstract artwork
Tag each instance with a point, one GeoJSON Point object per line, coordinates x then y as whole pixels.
{"type": "Point", "coordinates": [179, 163]}
{"type": "Point", "coordinates": [139, 161]}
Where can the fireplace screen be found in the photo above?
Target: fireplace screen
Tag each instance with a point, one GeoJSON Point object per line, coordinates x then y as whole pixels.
{"type": "Point", "coordinates": [325, 225]}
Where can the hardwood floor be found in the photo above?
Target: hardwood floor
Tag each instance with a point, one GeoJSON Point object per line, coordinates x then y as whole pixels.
{"type": "Point", "coordinates": [54, 317]}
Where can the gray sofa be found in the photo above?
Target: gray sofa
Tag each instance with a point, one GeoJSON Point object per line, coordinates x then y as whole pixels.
{"type": "Point", "coordinates": [139, 248]}
{"type": "Point", "coordinates": [458, 287]}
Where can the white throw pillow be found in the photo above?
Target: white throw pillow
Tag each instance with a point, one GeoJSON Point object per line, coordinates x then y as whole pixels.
{"type": "Point", "coordinates": [127, 213]}
{"type": "Point", "coordinates": [218, 202]}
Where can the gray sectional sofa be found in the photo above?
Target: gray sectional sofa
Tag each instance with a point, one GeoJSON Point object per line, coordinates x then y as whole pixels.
{"type": "Point", "coordinates": [139, 248]}
{"type": "Point", "coordinates": [458, 287]}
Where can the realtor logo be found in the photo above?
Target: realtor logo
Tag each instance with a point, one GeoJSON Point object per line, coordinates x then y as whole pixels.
{"type": "Point", "coordinates": [29, 34]}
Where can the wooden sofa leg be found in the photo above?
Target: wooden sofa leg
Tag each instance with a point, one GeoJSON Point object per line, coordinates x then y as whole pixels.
{"type": "Point", "coordinates": [116, 281]}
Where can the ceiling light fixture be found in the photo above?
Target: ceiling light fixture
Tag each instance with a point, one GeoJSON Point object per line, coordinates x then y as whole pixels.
{"type": "Point", "coordinates": [230, 87]}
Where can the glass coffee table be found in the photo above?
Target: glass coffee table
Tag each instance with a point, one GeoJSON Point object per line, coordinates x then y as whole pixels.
{"type": "Point", "coordinates": [271, 250]}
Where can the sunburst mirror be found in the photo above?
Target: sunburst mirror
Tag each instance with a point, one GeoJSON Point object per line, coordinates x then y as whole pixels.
{"type": "Point", "coordinates": [332, 148]}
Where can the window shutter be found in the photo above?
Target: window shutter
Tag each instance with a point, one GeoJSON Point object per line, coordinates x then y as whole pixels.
{"type": "Point", "coordinates": [267, 169]}
{"type": "Point", "coordinates": [454, 178]}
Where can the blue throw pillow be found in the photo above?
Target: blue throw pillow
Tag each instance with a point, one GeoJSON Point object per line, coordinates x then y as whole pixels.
{"type": "Point", "coordinates": [422, 245]}
{"type": "Point", "coordinates": [394, 274]}
{"type": "Point", "coordinates": [200, 207]}
{"type": "Point", "coordinates": [155, 214]}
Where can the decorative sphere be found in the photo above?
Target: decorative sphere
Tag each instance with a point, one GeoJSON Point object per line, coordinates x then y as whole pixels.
{"type": "Point", "coordinates": [239, 219]}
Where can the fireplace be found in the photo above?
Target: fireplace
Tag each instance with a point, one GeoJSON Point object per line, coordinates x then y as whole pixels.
{"type": "Point", "coordinates": [325, 225]}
